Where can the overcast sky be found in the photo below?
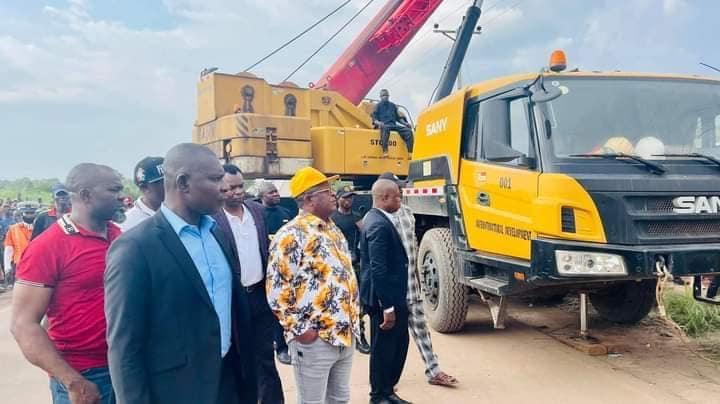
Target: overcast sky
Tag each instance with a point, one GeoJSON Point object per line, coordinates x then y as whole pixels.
{"type": "Point", "coordinates": [111, 81]}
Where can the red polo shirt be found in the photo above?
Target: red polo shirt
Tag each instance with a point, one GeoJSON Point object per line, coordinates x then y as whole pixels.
{"type": "Point", "coordinates": [71, 260]}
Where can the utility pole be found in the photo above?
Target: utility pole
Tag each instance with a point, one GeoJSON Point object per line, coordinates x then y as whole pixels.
{"type": "Point", "coordinates": [452, 34]}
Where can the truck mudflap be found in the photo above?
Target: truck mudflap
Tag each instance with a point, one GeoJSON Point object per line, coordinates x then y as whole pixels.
{"type": "Point", "coordinates": [639, 261]}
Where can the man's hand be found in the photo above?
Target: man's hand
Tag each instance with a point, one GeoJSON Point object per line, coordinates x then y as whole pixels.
{"type": "Point", "coordinates": [83, 391]}
{"type": "Point", "coordinates": [308, 337]}
{"type": "Point", "coordinates": [388, 321]}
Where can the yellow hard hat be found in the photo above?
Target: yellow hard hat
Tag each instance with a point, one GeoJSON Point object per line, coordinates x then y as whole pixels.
{"type": "Point", "coordinates": [619, 144]}
{"type": "Point", "coordinates": [306, 178]}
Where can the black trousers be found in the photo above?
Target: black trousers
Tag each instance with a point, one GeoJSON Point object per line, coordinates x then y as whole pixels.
{"type": "Point", "coordinates": [279, 337]}
{"type": "Point", "coordinates": [264, 326]}
{"type": "Point", "coordinates": [405, 133]}
{"type": "Point", "coordinates": [233, 389]}
{"type": "Point", "coordinates": [229, 391]}
{"type": "Point", "coordinates": [388, 351]}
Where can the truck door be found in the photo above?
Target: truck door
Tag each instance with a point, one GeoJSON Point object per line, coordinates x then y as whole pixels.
{"type": "Point", "coordinates": [499, 173]}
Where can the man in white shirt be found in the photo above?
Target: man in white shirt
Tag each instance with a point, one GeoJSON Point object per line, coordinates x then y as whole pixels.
{"type": "Point", "coordinates": [148, 176]}
{"type": "Point", "coordinates": [242, 222]}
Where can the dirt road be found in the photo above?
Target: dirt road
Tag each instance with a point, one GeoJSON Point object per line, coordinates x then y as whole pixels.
{"type": "Point", "coordinates": [517, 365]}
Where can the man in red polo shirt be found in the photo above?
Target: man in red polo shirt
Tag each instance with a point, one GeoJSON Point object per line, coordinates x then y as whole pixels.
{"type": "Point", "coordinates": [61, 276]}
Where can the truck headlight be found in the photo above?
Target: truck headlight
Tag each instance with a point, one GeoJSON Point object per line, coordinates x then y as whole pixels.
{"type": "Point", "coordinates": [584, 263]}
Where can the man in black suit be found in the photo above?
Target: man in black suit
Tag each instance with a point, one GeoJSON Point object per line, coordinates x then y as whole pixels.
{"type": "Point", "coordinates": [275, 217]}
{"type": "Point", "coordinates": [179, 327]}
{"type": "Point", "coordinates": [242, 222]}
{"type": "Point", "coordinates": [383, 291]}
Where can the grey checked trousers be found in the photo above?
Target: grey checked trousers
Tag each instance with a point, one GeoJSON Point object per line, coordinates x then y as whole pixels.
{"type": "Point", "coordinates": [421, 335]}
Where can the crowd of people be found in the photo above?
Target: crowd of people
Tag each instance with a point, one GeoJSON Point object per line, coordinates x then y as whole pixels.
{"type": "Point", "coordinates": [201, 286]}
{"type": "Point", "coordinates": [22, 221]}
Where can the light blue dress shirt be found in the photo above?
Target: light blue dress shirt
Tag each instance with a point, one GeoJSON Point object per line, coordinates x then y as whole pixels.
{"type": "Point", "coordinates": [211, 264]}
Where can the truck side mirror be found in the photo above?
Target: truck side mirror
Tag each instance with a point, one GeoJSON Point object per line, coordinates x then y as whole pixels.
{"type": "Point", "coordinates": [546, 95]}
{"type": "Point", "coordinates": [500, 152]}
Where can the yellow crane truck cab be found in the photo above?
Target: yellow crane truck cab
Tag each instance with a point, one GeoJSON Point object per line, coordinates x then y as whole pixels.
{"type": "Point", "coordinates": [554, 182]}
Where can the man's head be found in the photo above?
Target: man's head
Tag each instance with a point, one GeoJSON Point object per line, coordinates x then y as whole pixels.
{"type": "Point", "coordinates": [61, 197]}
{"type": "Point", "coordinates": [268, 193]}
{"type": "Point", "coordinates": [345, 198]}
{"type": "Point", "coordinates": [234, 188]}
{"type": "Point", "coordinates": [95, 190]}
{"type": "Point", "coordinates": [193, 179]}
{"type": "Point", "coordinates": [386, 195]}
{"type": "Point", "coordinates": [128, 202]}
{"type": "Point", "coordinates": [311, 189]}
{"type": "Point", "coordinates": [148, 176]}
{"type": "Point", "coordinates": [384, 95]}
{"type": "Point", "coordinates": [28, 211]}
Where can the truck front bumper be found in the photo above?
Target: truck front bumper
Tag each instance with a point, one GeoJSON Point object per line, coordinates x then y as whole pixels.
{"type": "Point", "coordinates": [681, 259]}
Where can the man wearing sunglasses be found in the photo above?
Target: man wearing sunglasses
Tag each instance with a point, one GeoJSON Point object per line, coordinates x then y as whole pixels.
{"type": "Point", "coordinates": [313, 291]}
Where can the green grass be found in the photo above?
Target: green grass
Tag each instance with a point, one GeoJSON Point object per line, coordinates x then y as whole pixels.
{"type": "Point", "coordinates": [697, 319]}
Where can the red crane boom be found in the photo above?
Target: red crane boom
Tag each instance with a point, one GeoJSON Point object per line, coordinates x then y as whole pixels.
{"type": "Point", "coordinates": [366, 59]}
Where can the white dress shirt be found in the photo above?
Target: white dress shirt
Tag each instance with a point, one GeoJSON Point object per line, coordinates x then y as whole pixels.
{"type": "Point", "coordinates": [135, 215]}
{"type": "Point", "coordinates": [248, 247]}
{"type": "Point", "coordinates": [393, 220]}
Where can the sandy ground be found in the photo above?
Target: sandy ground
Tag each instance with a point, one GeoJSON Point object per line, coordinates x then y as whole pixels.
{"type": "Point", "coordinates": [523, 363]}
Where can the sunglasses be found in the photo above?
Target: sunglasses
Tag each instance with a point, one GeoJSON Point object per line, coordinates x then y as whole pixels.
{"type": "Point", "coordinates": [318, 192]}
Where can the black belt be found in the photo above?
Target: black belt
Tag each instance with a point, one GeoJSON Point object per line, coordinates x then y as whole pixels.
{"type": "Point", "coordinates": [255, 287]}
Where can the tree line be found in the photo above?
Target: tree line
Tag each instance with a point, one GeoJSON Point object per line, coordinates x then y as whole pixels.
{"type": "Point", "coordinates": [27, 189]}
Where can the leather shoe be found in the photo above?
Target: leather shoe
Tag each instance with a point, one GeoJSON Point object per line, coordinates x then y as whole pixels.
{"type": "Point", "coordinates": [284, 357]}
{"type": "Point", "coordinates": [394, 399]}
{"type": "Point", "coordinates": [362, 346]}
{"type": "Point", "coordinates": [382, 400]}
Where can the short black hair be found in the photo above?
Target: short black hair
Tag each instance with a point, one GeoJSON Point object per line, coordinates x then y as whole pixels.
{"type": "Point", "coordinates": [231, 169]}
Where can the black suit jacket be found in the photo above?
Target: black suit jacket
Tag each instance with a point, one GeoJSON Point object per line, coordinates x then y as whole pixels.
{"type": "Point", "coordinates": [163, 332]}
{"type": "Point", "coordinates": [258, 213]}
{"type": "Point", "coordinates": [384, 263]}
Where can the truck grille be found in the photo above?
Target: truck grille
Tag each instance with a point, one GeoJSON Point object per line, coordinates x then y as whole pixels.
{"type": "Point", "coordinates": [648, 218]}
{"type": "Point", "coordinates": [656, 221]}
{"type": "Point", "coordinates": [684, 228]}
{"type": "Point", "coordinates": [650, 205]}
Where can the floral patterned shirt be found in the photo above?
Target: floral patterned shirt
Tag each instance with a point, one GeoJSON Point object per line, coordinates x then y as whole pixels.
{"type": "Point", "coordinates": [310, 281]}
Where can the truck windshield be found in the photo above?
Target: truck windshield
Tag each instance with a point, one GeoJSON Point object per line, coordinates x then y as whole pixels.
{"type": "Point", "coordinates": [649, 118]}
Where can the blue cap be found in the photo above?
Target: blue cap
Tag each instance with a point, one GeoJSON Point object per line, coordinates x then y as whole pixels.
{"type": "Point", "coordinates": [58, 189]}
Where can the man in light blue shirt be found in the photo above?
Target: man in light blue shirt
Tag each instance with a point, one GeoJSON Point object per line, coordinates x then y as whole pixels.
{"type": "Point", "coordinates": [210, 261]}
{"type": "Point", "coordinates": [179, 329]}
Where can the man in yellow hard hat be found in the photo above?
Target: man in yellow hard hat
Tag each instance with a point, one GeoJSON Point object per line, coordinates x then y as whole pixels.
{"type": "Point", "coordinates": [312, 289]}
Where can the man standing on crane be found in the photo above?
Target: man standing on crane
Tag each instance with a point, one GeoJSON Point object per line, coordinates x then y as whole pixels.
{"type": "Point", "coordinates": [387, 118]}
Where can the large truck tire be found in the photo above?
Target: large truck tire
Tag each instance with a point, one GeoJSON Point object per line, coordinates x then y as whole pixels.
{"type": "Point", "coordinates": [446, 298]}
{"type": "Point", "coordinates": [627, 302]}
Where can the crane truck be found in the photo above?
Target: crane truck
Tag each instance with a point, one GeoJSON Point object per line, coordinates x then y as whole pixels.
{"type": "Point", "coordinates": [531, 184]}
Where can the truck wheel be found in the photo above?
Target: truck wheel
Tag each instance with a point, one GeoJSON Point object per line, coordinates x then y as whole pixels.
{"type": "Point", "coordinates": [627, 302]}
{"type": "Point", "coordinates": [445, 299]}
